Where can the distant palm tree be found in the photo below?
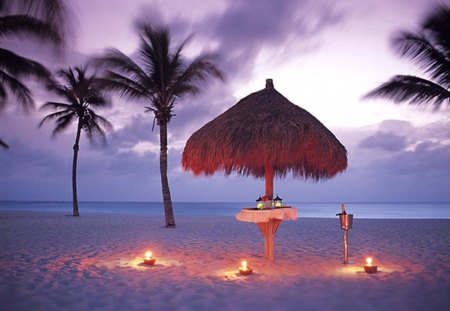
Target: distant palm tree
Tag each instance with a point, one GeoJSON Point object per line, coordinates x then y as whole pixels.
{"type": "Point", "coordinates": [41, 20]}
{"type": "Point", "coordinates": [82, 95]}
{"type": "Point", "coordinates": [430, 47]}
{"type": "Point", "coordinates": [161, 78]}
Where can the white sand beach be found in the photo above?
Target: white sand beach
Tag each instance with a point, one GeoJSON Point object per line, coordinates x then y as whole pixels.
{"type": "Point", "coordinates": [49, 261]}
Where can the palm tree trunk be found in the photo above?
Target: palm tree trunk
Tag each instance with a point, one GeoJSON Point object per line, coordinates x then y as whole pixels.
{"type": "Point", "coordinates": [168, 210]}
{"type": "Point", "coordinates": [74, 171]}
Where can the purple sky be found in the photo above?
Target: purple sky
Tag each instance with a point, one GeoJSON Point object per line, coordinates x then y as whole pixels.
{"type": "Point", "coordinates": [323, 56]}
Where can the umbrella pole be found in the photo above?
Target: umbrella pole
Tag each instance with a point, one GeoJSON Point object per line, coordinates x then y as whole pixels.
{"type": "Point", "coordinates": [269, 180]}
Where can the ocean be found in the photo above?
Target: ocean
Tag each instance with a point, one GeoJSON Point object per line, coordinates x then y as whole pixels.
{"type": "Point", "coordinates": [207, 209]}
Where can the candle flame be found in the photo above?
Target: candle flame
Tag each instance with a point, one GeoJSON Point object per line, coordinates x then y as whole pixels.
{"type": "Point", "coordinates": [244, 264]}
{"type": "Point", "coordinates": [148, 255]}
{"type": "Point", "coordinates": [369, 260]}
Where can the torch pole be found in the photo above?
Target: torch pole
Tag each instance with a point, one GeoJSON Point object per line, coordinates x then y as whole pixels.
{"type": "Point", "coordinates": [345, 246]}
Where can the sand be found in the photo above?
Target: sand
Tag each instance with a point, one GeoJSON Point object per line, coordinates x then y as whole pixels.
{"type": "Point", "coordinates": [50, 261]}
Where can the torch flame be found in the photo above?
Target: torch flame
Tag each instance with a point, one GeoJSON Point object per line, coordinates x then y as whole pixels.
{"type": "Point", "coordinates": [369, 261]}
{"type": "Point", "coordinates": [148, 255]}
{"type": "Point", "coordinates": [244, 264]}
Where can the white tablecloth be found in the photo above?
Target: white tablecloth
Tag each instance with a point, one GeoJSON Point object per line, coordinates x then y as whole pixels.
{"type": "Point", "coordinates": [258, 216]}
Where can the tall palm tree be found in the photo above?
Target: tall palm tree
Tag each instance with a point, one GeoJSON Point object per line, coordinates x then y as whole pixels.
{"type": "Point", "coordinates": [430, 48]}
{"type": "Point", "coordinates": [162, 78]}
{"type": "Point", "coordinates": [82, 94]}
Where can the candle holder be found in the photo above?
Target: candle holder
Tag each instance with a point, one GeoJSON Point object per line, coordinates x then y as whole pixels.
{"type": "Point", "coordinates": [148, 260]}
{"type": "Point", "coordinates": [259, 203]}
{"type": "Point", "coordinates": [370, 267]}
{"type": "Point", "coordinates": [244, 269]}
{"type": "Point", "coordinates": [277, 201]}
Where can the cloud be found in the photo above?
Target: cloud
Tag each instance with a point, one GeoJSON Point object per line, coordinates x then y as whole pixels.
{"type": "Point", "coordinates": [415, 167]}
{"type": "Point", "coordinates": [428, 158]}
{"type": "Point", "coordinates": [384, 141]}
{"type": "Point", "coordinates": [246, 29]}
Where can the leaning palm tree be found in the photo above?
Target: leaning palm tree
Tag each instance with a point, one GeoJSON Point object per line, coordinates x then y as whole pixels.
{"type": "Point", "coordinates": [82, 94]}
{"type": "Point", "coordinates": [162, 78]}
{"type": "Point", "coordinates": [39, 20]}
{"type": "Point", "coordinates": [430, 48]}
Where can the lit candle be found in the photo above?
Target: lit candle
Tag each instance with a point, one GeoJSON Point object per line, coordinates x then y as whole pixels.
{"type": "Point", "coordinates": [148, 260]}
{"type": "Point", "coordinates": [245, 269]}
{"type": "Point", "coordinates": [370, 267]}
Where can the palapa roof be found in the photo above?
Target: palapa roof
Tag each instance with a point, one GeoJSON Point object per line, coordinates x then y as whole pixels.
{"type": "Point", "coordinates": [263, 129]}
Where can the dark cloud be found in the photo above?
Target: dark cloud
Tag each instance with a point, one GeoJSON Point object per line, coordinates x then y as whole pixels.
{"type": "Point", "coordinates": [194, 112]}
{"type": "Point", "coordinates": [384, 141]}
{"type": "Point", "coordinates": [426, 159]}
{"type": "Point", "coordinates": [246, 28]}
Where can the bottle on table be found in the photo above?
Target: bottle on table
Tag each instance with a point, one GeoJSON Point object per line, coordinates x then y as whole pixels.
{"type": "Point", "coordinates": [343, 212]}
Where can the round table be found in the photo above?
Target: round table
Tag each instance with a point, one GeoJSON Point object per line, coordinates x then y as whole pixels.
{"type": "Point", "coordinates": [268, 221]}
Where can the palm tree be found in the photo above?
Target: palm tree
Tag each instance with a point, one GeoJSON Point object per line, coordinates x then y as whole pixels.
{"type": "Point", "coordinates": [430, 48]}
{"type": "Point", "coordinates": [161, 78]}
{"type": "Point", "coordinates": [40, 20]}
{"type": "Point", "coordinates": [82, 94]}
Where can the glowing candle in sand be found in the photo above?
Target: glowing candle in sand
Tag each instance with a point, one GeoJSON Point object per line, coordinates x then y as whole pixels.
{"type": "Point", "coordinates": [148, 260]}
{"type": "Point", "coordinates": [370, 267]}
{"type": "Point", "coordinates": [245, 269]}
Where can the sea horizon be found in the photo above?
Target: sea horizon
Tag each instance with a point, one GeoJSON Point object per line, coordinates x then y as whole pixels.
{"type": "Point", "coordinates": [369, 210]}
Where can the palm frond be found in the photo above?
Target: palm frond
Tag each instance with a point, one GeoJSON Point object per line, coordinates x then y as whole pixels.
{"type": "Point", "coordinates": [124, 86]}
{"type": "Point", "coordinates": [17, 89]}
{"type": "Point", "coordinates": [3, 144]}
{"type": "Point", "coordinates": [63, 122]}
{"type": "Point", "coordinates": [97, 100]}
{"type": "Point", "coordinates": [56, 106]}
{"type": "Point", "coordinates": [114, 59]}
{"type": "Point", "coordinates": [195, 74]}
{"type": "Point", "coordinates": [414, 90]}
{"type": "Point", "coordinates": [94, 125]}
{"type": "Point", "coordinates": [21, 26]}
{"type": "Point", "coordinates": [58, 115]}
{"type": "Point", "coordinates": [55, 13]}
{"type": "Point", "coordinates": [419, 48]}
{"type": "Point", "coordinates": [155, 54]}
{"type": "Point", "coordinates": [430, 48]}
{"type": "Point", "coordinates": [19, 66]}
{"type": "Point", "coordinates": [63, 91]}
{"type": "Point", "coordinates": [101, 121]}
{"type": "Point", "coordinates": [437, 25]}
{"type": "Point", "coordinates": [3, 96]}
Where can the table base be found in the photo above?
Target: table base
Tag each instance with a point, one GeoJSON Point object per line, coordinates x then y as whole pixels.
{"type": "Point", "coordinates": [268, 230]}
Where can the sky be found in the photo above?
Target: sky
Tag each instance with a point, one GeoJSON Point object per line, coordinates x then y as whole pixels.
{"type": "Point", "coordinates": [322, 55]}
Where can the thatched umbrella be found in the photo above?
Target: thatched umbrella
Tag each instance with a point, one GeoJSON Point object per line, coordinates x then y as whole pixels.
{"type": "Point", "coordinates": [265, 135]}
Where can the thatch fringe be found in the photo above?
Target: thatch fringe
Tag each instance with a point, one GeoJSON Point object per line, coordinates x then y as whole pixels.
{"type": "Point", "coordinates": [262, 128]}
